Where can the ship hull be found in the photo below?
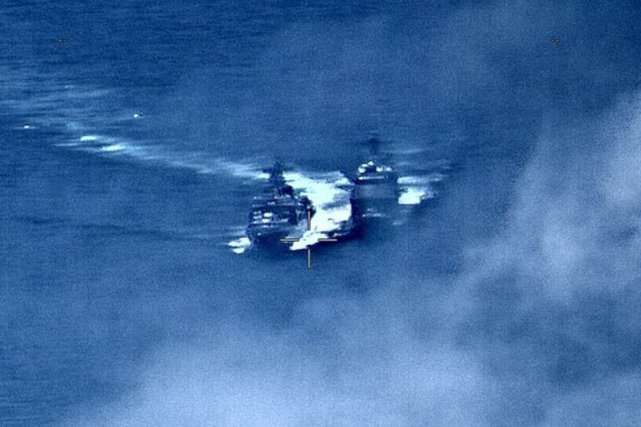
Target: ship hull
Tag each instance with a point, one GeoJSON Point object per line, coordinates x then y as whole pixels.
{"type": "Point", "coordinates": [269, 236]}
{"type": "Point", "coordinates": [376, 200]}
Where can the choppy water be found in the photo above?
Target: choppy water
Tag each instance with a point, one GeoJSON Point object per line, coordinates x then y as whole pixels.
{"type": "Point", "coordinates": [132, 138]}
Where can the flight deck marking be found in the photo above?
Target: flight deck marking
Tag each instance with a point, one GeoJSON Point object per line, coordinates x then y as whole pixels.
{"type": "Point", "coordinates": [309, 250]}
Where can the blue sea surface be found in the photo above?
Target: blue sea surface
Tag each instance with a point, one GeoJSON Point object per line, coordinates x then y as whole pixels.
{"type": "Point", "coordinates": [132, 138]}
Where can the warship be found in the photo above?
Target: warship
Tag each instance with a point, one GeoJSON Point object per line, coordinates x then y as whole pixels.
{"type": "Point", "coordinates": [278, 213]}
{"type": "Point", "coordinates": [376, 184]}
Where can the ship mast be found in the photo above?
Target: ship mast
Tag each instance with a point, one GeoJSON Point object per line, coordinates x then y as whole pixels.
{"type": "Point", "coordinates": [374, 142]}
{"type": "Point", "coordinates": [277, 180]}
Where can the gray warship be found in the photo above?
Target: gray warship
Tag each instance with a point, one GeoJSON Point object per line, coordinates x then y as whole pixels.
{"type": "Point", "coordinates": [376, 184]}
{"type": "Point", "coordinates": [277, 213]}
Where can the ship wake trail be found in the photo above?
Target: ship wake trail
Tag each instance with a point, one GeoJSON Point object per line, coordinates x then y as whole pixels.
{"type": "Point", "coordinates": [415, 190]}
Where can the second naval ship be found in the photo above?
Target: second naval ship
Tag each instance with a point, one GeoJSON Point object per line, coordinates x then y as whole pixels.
{"type": "Point", "coordinates": [376, 184]}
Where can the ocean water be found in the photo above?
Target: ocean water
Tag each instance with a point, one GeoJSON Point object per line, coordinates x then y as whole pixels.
{"type": "Point", "coordinates": [132, 139]}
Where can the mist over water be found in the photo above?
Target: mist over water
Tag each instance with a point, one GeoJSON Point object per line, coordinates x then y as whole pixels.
{"type": "Point", "coordinates": [128, 158]}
